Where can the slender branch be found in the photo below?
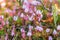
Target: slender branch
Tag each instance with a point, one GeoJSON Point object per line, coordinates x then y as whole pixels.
{"type": "Point", "coordinates": [45, 7]}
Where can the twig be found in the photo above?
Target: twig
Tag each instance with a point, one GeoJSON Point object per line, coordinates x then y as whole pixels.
{"type": "Point", "coordinates": [45, 7]}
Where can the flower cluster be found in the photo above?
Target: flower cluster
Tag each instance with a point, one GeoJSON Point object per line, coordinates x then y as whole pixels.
{"type": "Point", "coordinates": [26, 22]}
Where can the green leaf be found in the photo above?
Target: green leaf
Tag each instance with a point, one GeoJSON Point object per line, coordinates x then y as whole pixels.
{"type": "Point", "coordinates": [20, 3]}
{"type": "Point", "coordinates": [54, 10]}
{"type": "Point", "coordinates": [19, 21]}
{"type": "Point", "coordinates": [1, 32]}
{"type": "Point", "coordinates": [10, 19]}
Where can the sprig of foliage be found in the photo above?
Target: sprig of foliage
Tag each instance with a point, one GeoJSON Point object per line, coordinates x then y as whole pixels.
{"type": "Point", "coordinates": [54, 11]}
{"type": "Point", "coordinates": [1, 32]}
{"type": "Point", "coordinates": [19, 2]}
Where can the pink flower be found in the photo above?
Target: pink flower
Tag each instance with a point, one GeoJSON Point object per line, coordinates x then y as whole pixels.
{"type": "Point", "coordinates": [31, 18]}
{"type": "Point", "coordinates": [50, 0]}
{"type": "Point", "coordinates": [50, 38]}
{"type": "Point", "coordinates": [29, 33]}
{"type": "Point", "coordinates": [54, 32]}
{"type": "Point", "coordinates": [35, 2]}
{"type": "Point", "coordinates": [8, 11]}
{"type": "Point", "coordinates": [25, 4]}
{"type": "Point", "coordinates": [39, 13]}
{"type": "Point", "coordinates": [22, 15]}
{"type": "Point", "coordinates": [3, 4]}
{"type": "Point", "coordinates": [26, 17]}
{"type": "Point", "coordinates": [39, 28]}
{"type": "Point", "coordinates": [2, 23]}
{"type": "Point", "coordinates": [23, 33]}
{"type": "Point", "coordinates": [58, 27]}
{"type": "Point", "coordinates": [15, 18]}
{"type": "Point", "coordinates": [22, 30]}
{"type": "Point", "coordinates": [1, 0]}
{"type": "Point", "coordinates": [6, 37]}
{"type": "Point", "coordinates": [13, 30]}
{"type": "Point", "coordinates": [7, 22]}
{"type": "Point", "coordinates": [26, 10]}
{"type": "Point", "coordinates": [30, 27]}
{"type": "Point", "coordinates": [47, 30]}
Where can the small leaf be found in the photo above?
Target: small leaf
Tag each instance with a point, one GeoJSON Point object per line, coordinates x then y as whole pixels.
{"type": "Point", "coordinates": [1, 32]}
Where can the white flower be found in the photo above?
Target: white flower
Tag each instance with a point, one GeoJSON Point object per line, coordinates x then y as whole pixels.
{"type": "Point", "coordinates": [22, 15]}
{"type": "Point", "coordinates": [50, 38]}
{"type": "Point", "coordinates": [35, 9]}
{"type": "Point", "coordinates": [8, 11]}
{"type": "Point", "coordinates": [26, 10]}
{"type": "Point", "coordinates": [25, 4]}
{"type": "Point", "coordinates": [33, 14]}
{"type": "Point", "coordinates": [29, 33]}
{"type": "Point", "coordinates": [21, 1]}
{"type": "Point", "coordinates": [50, 0]}
{"type": "Point", "coordinates": [1, 16]}
{"type": "Point", "coordinates": [58, 27]}
{"type": "Point", "coordinates": [54, 32]}
{"type": "Point", "coordinates": [30, 27]}
{"type": "Point", "coordinates": [22, 30]}
{"type": "Point", "coordinates": [25, 0]}
{"type": "Point", "coordinates": [31, 11]}
{"type": "Point", "coordinates": [1, 0]}
{"type": "Point", "coordinates": [39, 28]}
{"type": "Point", "coordinates": [35, 2]}
{"type": "Point", "coordinates": [13, 31]}
{"type": "Point", "coordinates": [31, 18]}
{"type": "Point", "coordinates": [38, 12]}
{"type": "Point", "coordinates": [47, 30]}
{"type": "Point", "coordinates": [3, 4]}
{"type": "Point", "coordinates": [7, 22]}
{"type": "Point", "coordinates": [15, 18]}
{"type": "Point", "coordinates": [6, 37]}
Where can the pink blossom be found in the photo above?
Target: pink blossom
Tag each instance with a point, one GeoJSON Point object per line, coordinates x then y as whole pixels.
{"type": "Point", "coordinates": [30, 27]}
{"type": "Point", "coordinates": [26, 17]}
{"type": "Point", "coordinates": [22, 15]}
{"type": "Point", "coordinates": [47, 30]}
{"type": "Point", "coordinates": [22, 30]}
{"type": "Point", "coordinates": [50, 0]}
{"type": "Point", "coordinates": [29, 33]}
{"type": "Point", "coordinates": [6, 37]}
{"type": "Point", "coordinates": [54, 32]}
{"type": "Point", "coordinates": [13, 31]}
{"type": "Point", "coordinates": [1, 17]}
{"type": "Point", "coordinates": [30, 11]}
{"type": "Point", "coordinates": [1, 0]}
{"type": "Point", "coordinates": [35, 2]}
{"type": "Point", "coordinates": [58, 27]}
{"type": "Point", "coordinates": [25, 4]}
{"type": "Point", "coordinates": [31, 17]}
{"type": "Point", "coordinates": [2, 23]}
{"type": "Point", "coordinates": [3, 4]}
{"type": "Point", "coordinates": [39, 28]}
{"type": "Point", "coordinates": [38, 12]}
{"type": "Point", "coordinates": [26, 10]}
{"type": "Point", "coordinates": [50, 38]}
{"type": "Point", "coordinates": [7, 22]}
{"type": "Point", "coordinates": [8, 10]}
{"type": "Point", "coordinates": [23, 33]}
{"type": "Point", "coordinates": [15, 18]}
